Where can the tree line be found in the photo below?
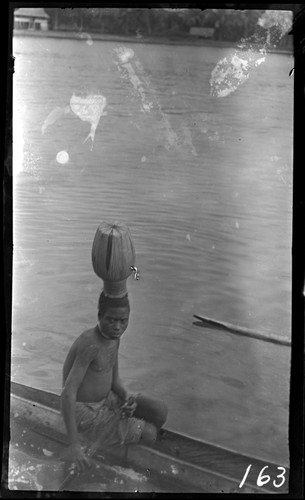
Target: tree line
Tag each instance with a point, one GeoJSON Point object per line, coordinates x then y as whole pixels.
{"type": "Point", "coordinates": [228, 24]}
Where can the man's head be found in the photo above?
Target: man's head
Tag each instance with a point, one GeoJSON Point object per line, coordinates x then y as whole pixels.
{"type": "Point", "coordinates": [113, 315]}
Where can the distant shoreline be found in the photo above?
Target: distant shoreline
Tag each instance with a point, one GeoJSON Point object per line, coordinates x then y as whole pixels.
{"type": "Point", "coordinates": [157, 40]}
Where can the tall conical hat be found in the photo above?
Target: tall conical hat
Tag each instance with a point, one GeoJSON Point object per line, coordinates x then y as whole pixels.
{"type": "Point", "coordinates": [113, 257]}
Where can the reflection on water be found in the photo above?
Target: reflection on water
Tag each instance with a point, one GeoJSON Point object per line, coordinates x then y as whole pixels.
{"type": "Point", "coordinates": [28, 473]}
{"type": "Point", "coordinates": [204, 185]}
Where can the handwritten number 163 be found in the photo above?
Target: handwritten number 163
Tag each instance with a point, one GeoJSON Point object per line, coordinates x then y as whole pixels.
{"type": "Point", "coordinates": [263, 479]}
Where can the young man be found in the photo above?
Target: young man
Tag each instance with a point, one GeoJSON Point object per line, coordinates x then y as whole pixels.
{"type": "Point", "coordinates": [93, 400]}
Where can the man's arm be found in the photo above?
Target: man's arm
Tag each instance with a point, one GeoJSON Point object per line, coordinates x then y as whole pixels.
{"type": "Point", "coordinates": [129, 401]}
{"type": "Point", "coordinates": [117, 386]}
{"type": "Point", "coordinates": [68, 396]}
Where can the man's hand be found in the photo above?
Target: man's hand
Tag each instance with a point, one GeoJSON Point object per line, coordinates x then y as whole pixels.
{"type": "Point", "coordinates": [75, 453]}
{"type": "Point", "coordinates": [129, 407]}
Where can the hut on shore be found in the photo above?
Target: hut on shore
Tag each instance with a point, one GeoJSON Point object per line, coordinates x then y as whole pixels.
{"type": "Point", "coordinates": [31, 19]}
{"type": "Point", "coordinates": [201, 32]}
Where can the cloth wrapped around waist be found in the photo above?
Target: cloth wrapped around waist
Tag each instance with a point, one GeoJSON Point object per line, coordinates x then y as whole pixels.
{"type": "Point", "coordinates": [105, 417]}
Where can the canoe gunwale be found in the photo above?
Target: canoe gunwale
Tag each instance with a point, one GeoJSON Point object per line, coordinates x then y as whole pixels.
{"type": "Point", "coordinates": [205, 466]}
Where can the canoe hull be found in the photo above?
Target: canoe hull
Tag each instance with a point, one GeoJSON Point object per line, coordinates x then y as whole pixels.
{"type": "Point", "coordinates": [196, 465]}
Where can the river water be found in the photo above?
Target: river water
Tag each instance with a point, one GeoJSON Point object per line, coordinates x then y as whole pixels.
{"type": "Point", "coordinates": [205, 186]}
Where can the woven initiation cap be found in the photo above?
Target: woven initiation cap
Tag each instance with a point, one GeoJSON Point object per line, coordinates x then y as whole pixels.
{"type": "Point", "coordinates": [113, 255]}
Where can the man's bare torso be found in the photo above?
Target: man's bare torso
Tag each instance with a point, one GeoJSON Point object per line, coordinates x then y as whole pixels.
{"type": "Point", "coordinates": [98, 378]}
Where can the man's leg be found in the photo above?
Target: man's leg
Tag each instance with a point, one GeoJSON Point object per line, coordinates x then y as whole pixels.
{"type": "Point", "coordinates": [151, 410]}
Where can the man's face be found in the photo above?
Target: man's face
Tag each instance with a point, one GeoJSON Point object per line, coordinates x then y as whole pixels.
{"type": "Point", "coordinates": [114, 322]}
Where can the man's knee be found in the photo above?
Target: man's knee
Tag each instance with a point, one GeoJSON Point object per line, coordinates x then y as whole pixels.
{"type": "Point", "coordinates": [161, 415]}
{"type": "Point", "coordinates": [151, 410]}
{"type": "Point", "coordinates": [149, 433]}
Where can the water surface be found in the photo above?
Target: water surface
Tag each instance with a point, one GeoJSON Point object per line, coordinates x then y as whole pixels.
{"type": "Point", "coordinates": [204, 184]}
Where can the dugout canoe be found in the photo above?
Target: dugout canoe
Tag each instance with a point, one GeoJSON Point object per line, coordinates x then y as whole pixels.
{"type": "Point", "coordinates": [196, 465]}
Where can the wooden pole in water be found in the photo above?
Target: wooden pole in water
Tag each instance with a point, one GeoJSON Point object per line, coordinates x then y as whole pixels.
{"type": "Point", "coordinates": [246, 332]}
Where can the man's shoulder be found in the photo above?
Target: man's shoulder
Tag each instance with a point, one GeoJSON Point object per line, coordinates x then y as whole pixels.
{"type": "Point", "coordinates": [87, 335]}
{"type": "Point", "coordinates": [86, 345]}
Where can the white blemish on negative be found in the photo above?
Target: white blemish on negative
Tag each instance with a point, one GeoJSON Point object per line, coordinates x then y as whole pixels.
{"type": "Point", "coordinates": [187, 140]}
{"type": "Point", "coordinates": [125, 55]}
{"type": "Point", "coordinates": [53, 116]}
{"type": "Point", "coordinates": [89, 109]}
{"type": "Point", "coordinates": [279, 172]}
{"type": "Point", "coordinates": [141, 85]}
{"type": "Point", "coordinates": [62, 157]}
{"type": "Point", "coordinates": [131, 69]}
{"type": "Point", "coordinates": [18, 144]}
{"type": "Point", "coordinates": [277, 23]}
{"type": "Point", "coordinates": [284, 172]}
{"type": "Point", "coordinates": [228, 74]}
{"type": "Point", "coordinates": [260, 61]}
{"type": "Point", "coordinates": [174, 469]}
{"type": "Point", "coordinates": [232, 71]}
{"type": "Point", "coordinates": [89, 40]}
{"type": "Point", "coordinates": [212, 128]}
{"type": "Point", "coordinates": [130, 473]}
